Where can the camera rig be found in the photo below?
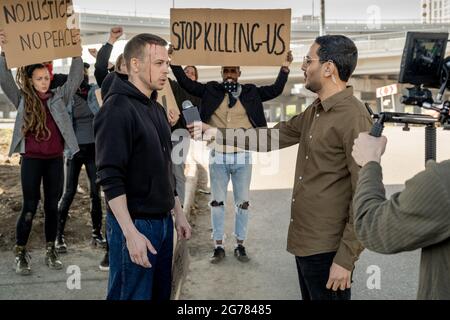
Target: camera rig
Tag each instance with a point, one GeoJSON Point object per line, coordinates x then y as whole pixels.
{"type": "Point", "coordinates": [423, 65]}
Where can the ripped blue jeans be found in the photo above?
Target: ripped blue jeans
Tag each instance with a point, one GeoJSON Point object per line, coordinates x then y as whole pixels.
{"type": "Point", "coordinates": [222, 167]}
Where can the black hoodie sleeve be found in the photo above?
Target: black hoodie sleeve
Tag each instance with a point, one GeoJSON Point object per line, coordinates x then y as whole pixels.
{"type": "Point", "coordinates": [193, 87]}
{"type": "Point", "coordinates": [270, 92]}
{"type": "Point", "coordinates": [113, 129]}
{"type": "Point", "coordinates": [101, 64]}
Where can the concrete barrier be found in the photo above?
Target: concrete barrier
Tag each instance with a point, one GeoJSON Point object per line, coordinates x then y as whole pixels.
{"type": "Point", "coordinates": [180, 264]}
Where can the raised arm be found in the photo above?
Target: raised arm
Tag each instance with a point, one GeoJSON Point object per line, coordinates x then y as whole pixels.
{"type": "Point", "coordinates": [74, 79]}
{"type": "Point", "coordinates": [103, 55]}
{"type": "Point", "coordinates": [272, 91]}
{"type": "Point", "coordinates": [193, 87]}
{"type": "Point", "coordinates": [7, 82]}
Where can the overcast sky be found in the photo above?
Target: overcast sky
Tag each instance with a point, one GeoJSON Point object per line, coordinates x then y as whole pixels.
{"type": "Point", "coordinates": [335, 9]}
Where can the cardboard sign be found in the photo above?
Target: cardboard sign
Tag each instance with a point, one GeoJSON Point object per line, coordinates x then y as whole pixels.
{"type": "Point", "coordinates": [167, 100]}
{"type": "Point", "coordinates": [38, 31]}
{"type": "Point", "coordinates": [223, 37]}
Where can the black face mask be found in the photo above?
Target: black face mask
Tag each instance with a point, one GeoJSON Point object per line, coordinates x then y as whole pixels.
{"type": "Point", "coordinates": [234, 90]}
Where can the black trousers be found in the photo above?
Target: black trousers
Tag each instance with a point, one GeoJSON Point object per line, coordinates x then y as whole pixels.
{"type": "Point", "coordinates": [32, 172]}
{"type": "Point", "coordinates": [86, 157]}
{"type": "Point", "coordinates": [313, 274]}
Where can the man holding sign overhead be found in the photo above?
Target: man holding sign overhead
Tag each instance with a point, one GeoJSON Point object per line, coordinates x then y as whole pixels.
{"type": "Point", "coordinates": [227, 104]}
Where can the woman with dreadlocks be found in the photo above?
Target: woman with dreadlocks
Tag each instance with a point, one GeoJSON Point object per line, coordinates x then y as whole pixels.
{"type": "Point", "coordinates": [43, 129]}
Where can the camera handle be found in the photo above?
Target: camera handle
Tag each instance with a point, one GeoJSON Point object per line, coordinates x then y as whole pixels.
{"type": "Point", "coordinates": [430, 142]}
{"type": "Point", "coordinates": [409, 118]}
{"type": "Point", "coordinates": [378, 126]}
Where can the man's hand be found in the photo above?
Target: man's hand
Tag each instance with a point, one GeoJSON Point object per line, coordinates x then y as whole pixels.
{"type": "Point", "coordinates": [367, 148]}
{"type": "Point", "coordinates": [196, 129]}
{"type": "Point", "coordinates": [288, 61]}
{"type": "Point", "coordinates": [93, 52]}
{"type": "Point", "coordinates": [170, 51]}
{"type": "Point", "coordinates": [340, 278]}
{"type": "Point", "coordinates": [2, 38]}
{"type": "Point", "coordinates": [431, 113]}
{"type": "Point", "coordinates": [138, 245]}
{"type": "Point", "coordinates": [77, 35]}
{"type": "Point", "coordinates": [173, 119]}
{"type": "Point", "coordinates": [114, 34]}
{"type": "Point", "coordinates": [182, 226]}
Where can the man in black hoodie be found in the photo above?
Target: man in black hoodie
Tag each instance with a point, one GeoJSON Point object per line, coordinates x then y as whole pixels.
{"type": "Point", "coordinates": [133, 150]}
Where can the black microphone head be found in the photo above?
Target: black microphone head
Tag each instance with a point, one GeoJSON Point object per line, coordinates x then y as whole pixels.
{"type": "Point", "coordinates": [187, 104]}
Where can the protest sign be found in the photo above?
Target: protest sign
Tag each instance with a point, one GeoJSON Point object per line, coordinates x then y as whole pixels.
{"type": "Point", "coordinates": [167, 99]}
{"type": "Point", "coordinates": [38, 31]}
{"type": "Point", "coordinates": [230, 37]}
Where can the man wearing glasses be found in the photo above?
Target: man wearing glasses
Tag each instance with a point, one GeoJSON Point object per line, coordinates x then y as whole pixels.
{"type": "Point", "coordinates": [321, 234]}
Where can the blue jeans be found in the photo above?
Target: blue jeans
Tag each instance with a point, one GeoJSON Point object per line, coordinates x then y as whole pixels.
{"type": "Point", "coordinates": [129, 281]}
{"type": "Point", "coordinates": [222, 166]}
{"type": "Point", "coordinates": [313, 273]}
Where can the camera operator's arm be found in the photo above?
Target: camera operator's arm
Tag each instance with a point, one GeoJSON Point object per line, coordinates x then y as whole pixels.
{"type": "Point", "coordinates": [415, 218]}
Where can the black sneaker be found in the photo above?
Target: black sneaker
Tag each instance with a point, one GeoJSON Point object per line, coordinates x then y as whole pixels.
{"type": "Point", "coordinates": [60, 244]}
{"type": "Point", "coordinates": [98, 240]}
{"type": "Point", "coordinates": [104, 264]}
{"type": "Point", "coordinates": [218, 255]}
{"type": "Point", "coordinates": [51, 257]}
{"type": "Point", "coordinates": [240, 254]}
{"type": "Point", "coordinates": [22, 262]}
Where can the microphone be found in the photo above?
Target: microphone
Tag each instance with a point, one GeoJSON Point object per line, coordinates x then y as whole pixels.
{"type": "Point", "coordinates": [190, 112]}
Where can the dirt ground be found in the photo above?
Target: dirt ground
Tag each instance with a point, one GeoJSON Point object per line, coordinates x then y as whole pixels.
{"type": "Point", "coordinates": [78, 227]}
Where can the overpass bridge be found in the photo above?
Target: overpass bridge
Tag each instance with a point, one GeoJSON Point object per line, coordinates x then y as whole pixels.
{"type": "Point", "coordinates": [96, 24]}
{"type": "Point", "coordinates": [380, 45]}
{"type": "Point", "coordinates": [380, 49]}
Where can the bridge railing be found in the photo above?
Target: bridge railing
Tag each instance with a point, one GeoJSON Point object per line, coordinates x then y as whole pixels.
{"type": "Point", "coordinates": [304, 21]}
{"type": "Point", "coordinates": [316, 21]}
{"type": "Point", "coordinates": [379, 44]}
{"type": "Point", "coordinates": [131, 13]}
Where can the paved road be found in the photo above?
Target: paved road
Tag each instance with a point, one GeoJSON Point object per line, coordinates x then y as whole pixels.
{"type": "Point", "coordinates": [271, 274]}
{"type": "Point", "coordinates": [46, 284]}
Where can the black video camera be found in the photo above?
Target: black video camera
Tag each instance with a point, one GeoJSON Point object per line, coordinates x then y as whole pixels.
{"type": "Point", "coordinates": [423, 65]}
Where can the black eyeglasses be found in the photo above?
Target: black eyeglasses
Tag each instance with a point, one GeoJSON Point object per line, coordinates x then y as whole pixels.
{"type": "Point", "coordinates": [308, 60]}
